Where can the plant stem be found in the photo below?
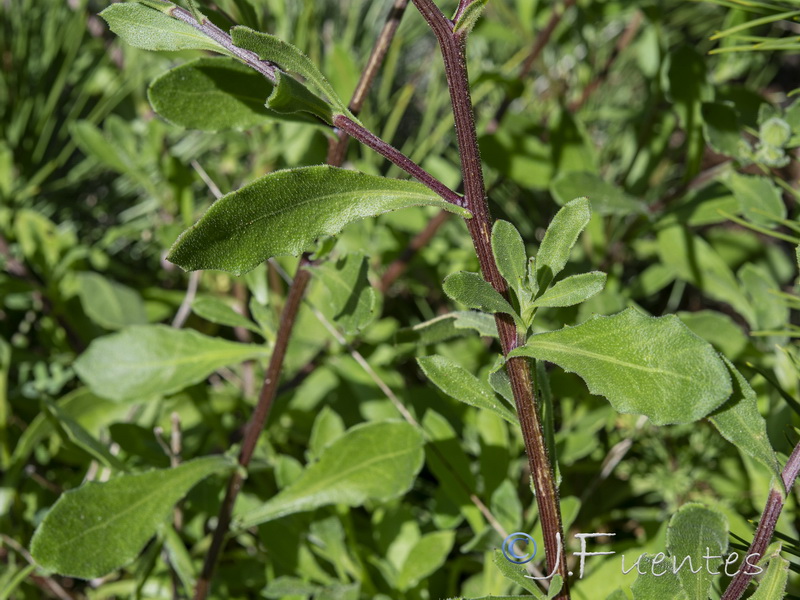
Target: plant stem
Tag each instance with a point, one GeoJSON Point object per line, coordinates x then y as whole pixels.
{"type": "Point", "coordinates": [255, 425]}
{"type": "Point", "coordinates": [766, 526]}
{"type": "Point", "coordinates": [348, 126]}
{"type": "Point", "coordinates": [388, 151]}
{"type": "Point", "coordinates": [453, 48]}
{"type": "Point", "coordinates": [297, 289]}
{"type": "Point", "coordinates": [207, 28]}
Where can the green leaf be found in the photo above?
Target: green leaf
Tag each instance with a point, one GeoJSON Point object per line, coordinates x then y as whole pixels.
{"type": "Point", "coordinates": [773, 583]}
{"type": "Point", "coordinates": [643, 365]}
{"type": "Point", "coordinates": [517, 574]}
{"type": "Point", "coordinates": [696, 531]}
{"type": "Point", "coordinates": [718, 329]}
{"type": "Point", "coordinates": [290, 97]}
{"type": "Point", "coordinates": [696, 262]}
{"type": "Point", "coordinates": [770, 311]}
{"type": "Point", "coordinates": [149, 28]}
{"type": "Point", "coordinates": [606, 198]}
{"type": "Point", "coordinates": [425, 558]}
{"type": "Point", "coordinates": [573, 290]}
{"type": "Point", "coordinates": [212, 94]}
{"type": "Point", "coordinates": [99, 527]}
{"type": "Point", "coordinates": [290, 58]}
{"type": "Point", "coordinates": [146, 360]}
{"type": "Point", "coordinates": [198, 16]}
{"type": "Point", "coordinates": [76, 434]}
{"type": "Point", "coordinates": [284, 212]}
{"type": "Point", "coordinates": [328, 427]}
{"type": "Point", "coordinates": [663, 585]}
{"type": "Point", "coordinates": [556, 583]}
{"type": "Point", "coordinates": [759, 198]}
{"type": "Point", "coordinates": [217, 311]}
{"type": "Point", "coordinates": [92, 142]}
{"type": "Point", "coordinates": [372, 461]}
{"type": "Point", "coordinates": [448, 326]}
{"type": "Point", "coordinates": [352, 302]}
{"type": "Point", "coordinates": [108, 303]}
{"type": "Point", "coordinates": [559, 239]}
{"type": "Point", "coordinates": [739, 421]}
{"type": "Point", "coordinates": [722, 129]}
{"type": "Point", "coordinates": [469, 17]}
{"type": "Point", "coordinates": [511, 259]}
{"type": "Point", "coordinates": [473, 291]}
{"type": "Point", "coordinates": [458, 383]}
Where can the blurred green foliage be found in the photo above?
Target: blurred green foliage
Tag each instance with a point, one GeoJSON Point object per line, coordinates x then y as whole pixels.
{"type": "Point", "coordinates": [686, 146]}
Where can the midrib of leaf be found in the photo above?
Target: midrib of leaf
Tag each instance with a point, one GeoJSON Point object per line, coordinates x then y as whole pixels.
{"type": "Point", "coordinates": [294, 498]}
{"type": "Point", "coordinates": [362, 466]}
{"type": "Point", "coordinates": [603, 357]}
{"type": "Point", "coordinates": [189, 359]}
{"type": "Point", "coordinates": [108, 522]}
{"type": "Point", "coordinates": [105, 523]}
{"type": "Point", "coordinates": [549, 297]}
{"type": "Point", "coordinates": [335, 195]}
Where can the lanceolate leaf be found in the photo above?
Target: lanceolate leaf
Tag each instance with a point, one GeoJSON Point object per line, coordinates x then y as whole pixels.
{"type": "Point", "coordinates": [695, 531]}
{"type": "Point", "coordinates": [99, 527]}
{"type": "Point", "coordinates": [573, 290]}
{"type": "Point", "coordinates": [451, 325]}
{"type": "Point", "coordinates": [455, 381]}
{"type": "Point", "coordinates": [644, 365]}
{"type": "Point", "coordinates": [373, 461]}
{"type": "Point", "coordinates": [147, 360]}
{"type": "Point", "coordinates": [284, 212]}
{"type": "Point", "coordinates": [773, 583]}
{"type": "Point", "coordinates": [739, 422]}
{"type": "Point", "coordinates": [509, 253]}
{"type": "Point", "coordinates": [217, 311]}
{"type": "Point", "coordinates": [108, 303]}
{"type": "Point", "coordinates": [425, 558]}
{"type": "Point", "coordinates": [149, 28]}
{"type": "Point", "coordinates": [290, 58]}
{"type": "Point", "coordinates": [559, 239]}
{"type": "Point", "coordinates": [473, 291]}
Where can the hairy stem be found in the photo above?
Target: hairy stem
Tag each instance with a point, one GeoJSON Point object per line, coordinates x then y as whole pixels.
{"type": "Point", "coordinates": [453, 48]}
{"type": "Point", "coordinates": [766, 526]}
{"type": "Point", "coordinates": [388, 151]}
